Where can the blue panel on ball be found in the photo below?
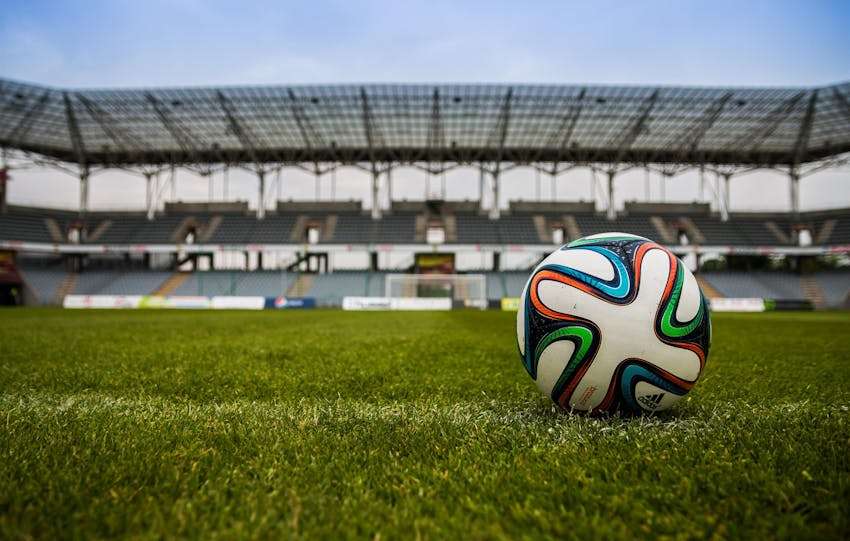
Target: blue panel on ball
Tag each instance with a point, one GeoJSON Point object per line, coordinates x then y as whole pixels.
{"type": "Point", "coordinates": [618, 288]}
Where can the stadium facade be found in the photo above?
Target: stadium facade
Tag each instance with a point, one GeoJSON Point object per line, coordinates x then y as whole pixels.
{"type": "Point", "coordinates": [721, 132]}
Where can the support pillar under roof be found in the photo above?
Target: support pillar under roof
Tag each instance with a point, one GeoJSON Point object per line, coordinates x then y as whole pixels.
{"type": "Point", "coordinates": [481, 189]}
{"type": "Point", "coordinates": [495, 211]}
{"type": "Point", "coordinates": [150, 205]}
{"type": "Point", "coordinates": [611, 210]}
{"type": "Point", "coordinates": [724, 207]}
{"type": "Point", "coordinates": [84, 191]}
{"type": "Point", "coordinates": [261, 197]}
{"type": "Point", "coordinates": [376, 205]}
{"type": "Point", "coordinates": [390, 187]}
{"type": "Point", "coordinates": [794, 185]}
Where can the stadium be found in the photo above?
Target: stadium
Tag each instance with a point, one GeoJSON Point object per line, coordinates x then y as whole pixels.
{"type": "Point", "coordinates": [226, 248]}
{"type": "Point", "coordinates": [248, 363]}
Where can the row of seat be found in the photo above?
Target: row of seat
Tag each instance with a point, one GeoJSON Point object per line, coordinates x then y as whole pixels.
{"type": "Point", "coordinates": [332, 287]}
{"type": "Point", "coordinates": [357, 228]}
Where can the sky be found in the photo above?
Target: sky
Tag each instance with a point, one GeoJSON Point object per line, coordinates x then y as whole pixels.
{"type": "Point", "coordinates": [116, 43]}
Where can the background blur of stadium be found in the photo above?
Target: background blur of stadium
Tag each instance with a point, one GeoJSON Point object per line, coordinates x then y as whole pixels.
{"type": "Point", "coordinates": [274, 155]}
{"type": "Point", "coordinates": [326, 249]}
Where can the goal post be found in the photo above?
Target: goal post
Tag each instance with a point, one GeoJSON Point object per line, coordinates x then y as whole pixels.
{"type": "Point", "coordinates": [468, 290]}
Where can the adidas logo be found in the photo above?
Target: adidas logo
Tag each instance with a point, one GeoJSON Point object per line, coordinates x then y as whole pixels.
{"type": "Point", "coordinates": [651, 401]}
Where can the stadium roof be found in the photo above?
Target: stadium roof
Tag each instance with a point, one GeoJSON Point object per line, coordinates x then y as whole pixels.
{"type": "Point", "coordinates": [433, 123]}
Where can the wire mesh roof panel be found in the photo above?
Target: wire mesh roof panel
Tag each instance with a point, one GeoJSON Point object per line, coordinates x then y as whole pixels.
{"type": "Point", "coordinates": [406, 123]}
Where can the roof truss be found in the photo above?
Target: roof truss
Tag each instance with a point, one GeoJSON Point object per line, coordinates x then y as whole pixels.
{"type": "Point", "coordinates": [409, 124]}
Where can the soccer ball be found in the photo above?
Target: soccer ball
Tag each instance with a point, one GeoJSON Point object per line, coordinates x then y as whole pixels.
{"type": "Point", "coordinates": [613, 322]}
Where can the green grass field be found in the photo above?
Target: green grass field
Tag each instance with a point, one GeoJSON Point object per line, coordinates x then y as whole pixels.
{"type": "Point", "coordinates": [325, 424]}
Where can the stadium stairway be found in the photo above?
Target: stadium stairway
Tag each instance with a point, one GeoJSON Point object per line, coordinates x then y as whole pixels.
{"type": "Point", "coordinates": [540, 226]}
{"type": "Point", "coordinates": [777, 231]}
{"type": "Point", "coordinates": [691, 230]}
{"type": "Point", "coordinates": [171, 283]}
{"type": "Point", "coordinates": [54, 230]}
{"type": "Point", "coordinates": [812, 290]}
{"type": "Point", "coordinates": [708, 290]}
{"type": "Point", "coordinates": [450, 228]}
{"type": "Point", "coordinates": [571, 224]}
{"type": "Point", "coordinates": [663, 229]}
{"type": "Point", "coordinates": [98, 231]}
{"type": "Point", "coordinates": [66, 287]}
{"type": "Point", "coordinates": [329, 230]}
{"type": "Point", "coordinates": [301, 286]}
{"type": "Point", "coordinates": [210, 229]}
{"type": "Point", "coordinates": [825, 231]}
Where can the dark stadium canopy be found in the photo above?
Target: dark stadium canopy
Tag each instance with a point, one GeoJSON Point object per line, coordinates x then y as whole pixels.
{"type": "Point", "coordinates": [427, 123]}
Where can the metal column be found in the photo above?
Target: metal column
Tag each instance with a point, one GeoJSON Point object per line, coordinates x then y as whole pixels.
{"type": "Point", "coordinates": [84, 191]}
{"type": "Point", "coordinates": [376, 205]}
{"type": "Point", "coordinates": [612, 212]}
{"type": "Point", "coordinates": [724, 208]}
{"type": "Point", "coordinates": [495, 211]}
{"type": "Point", "coordinates": [554, 185]}
{"type": "Point", "coordinates": [794, 179]}
{"type": "Point", "coordinates": [261, 197]}
{"type": "Point", "coordinates": [481, 188]}
{"type": "Point", "coordinates": [390, 187]}
{"type": "Point", "coordinates": [150, 195]}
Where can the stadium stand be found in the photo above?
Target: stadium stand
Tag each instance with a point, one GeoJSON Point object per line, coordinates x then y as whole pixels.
{"type": "Point", "coordinates": [475, 229]}
{"type": "Point", "coordinates": [333, 287]}
{"type": "Point", "coordinates": [116, 282]}
{"type": "Point", "coordinates": [263, 283]}
{"type": "Point", "coordinates": [396, 229]}
{"type": "Point", "coordinates": [763, 284]}
{"type": "Point", "coordinates": [138, 230]}
{"type": "Point", "coordinates": [43, 282]}
{"type": "Point", "coordinates": [24, 226]}
{"type": "Point", "coordinates": [529, 223]}
{"type": "Point", "coordinates": [519, 228]}
{"type": "Point", "coordinates": [352, 228]}
{"type": "Point", "coordinates": [836, 288]}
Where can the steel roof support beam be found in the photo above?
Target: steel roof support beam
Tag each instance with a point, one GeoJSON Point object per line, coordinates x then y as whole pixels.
{"type": "Point", "coordinates": [500, 135]}
{"type": "Point", "coordinates": [181, 135]}
{"type": "Point", "coordinates": [842, 99]}
{"type": "Point", "coordinates": [802, 143]}
{"type": "Point", "coordinates": [568, 125]}
{"type": "Point", "coordinates": [123, 141]}
{"type": "Point", "coordinates": [753, 140]}
{"type": "Point", "coordinates": [79, 151]}
{"type": "Point", "coordinates": [24, 125]}
{"type": "Point", "coordinates": [436, 134]}
{"type": "Point", "coordinates": [370, 131]}
{"type": "Point", "coordinates": [246, 138]}
{"type": "Point", "coordinates": [308, 132]}
{"type": "Point", "coordinates": [697, 131]}
{"type": "Point", "coordinates": [623, 141]}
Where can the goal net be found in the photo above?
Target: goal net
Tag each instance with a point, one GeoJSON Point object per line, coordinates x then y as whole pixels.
{"type": "Point", "coordinates": [469, 290]}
